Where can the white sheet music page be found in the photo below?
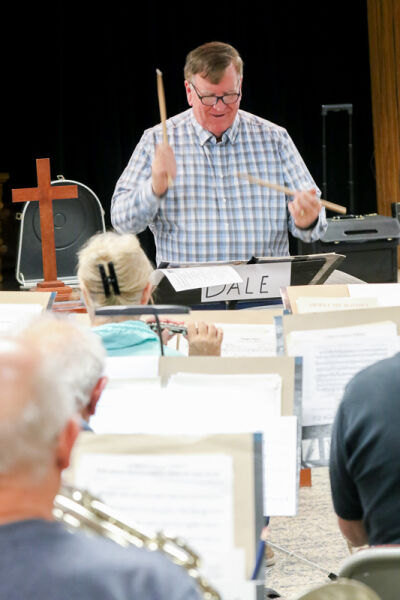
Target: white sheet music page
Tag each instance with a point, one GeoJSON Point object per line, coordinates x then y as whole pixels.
{"type": "Point", "coordinates": [189, 278]}
{"type": "Point", "coordinates": [215, 397]}
{"type": "Point", "coordinates": [188, 403]}
{"type": "Point", "coordinates": [307, 304]}
{"type": "Point", "coordinates": [331, 357]}
{"type": "Point", "coordinates": [199, 404]}
{"type": "Point", "coordinates": [17, 316]}
{"type": "Point", "coordinates": [120, 404]}
{"type": "Point", "coordinates": [280, 466]}
{"type": "Point", "coordinates": [190, 496]}
{"type": "Point", "coordinates": [128, 367]}
{"type": "Point", "coordinates": [241, 339]}
{"type": "Point", "coordinates": [387, 294]}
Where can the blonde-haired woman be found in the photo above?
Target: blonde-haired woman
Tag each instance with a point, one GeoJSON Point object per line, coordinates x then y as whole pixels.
{"type": "Point", "coordinates": [114, 270]}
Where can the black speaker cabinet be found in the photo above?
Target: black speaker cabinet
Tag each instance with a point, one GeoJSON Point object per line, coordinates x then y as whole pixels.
{"type": "Point", "coordinates": [369, 243]}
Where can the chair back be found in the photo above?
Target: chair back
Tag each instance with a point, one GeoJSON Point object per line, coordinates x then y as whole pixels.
{"type": "Point", "coordinates": [378, 567]}
{"type": "Point", "coordinates": [341, 589]}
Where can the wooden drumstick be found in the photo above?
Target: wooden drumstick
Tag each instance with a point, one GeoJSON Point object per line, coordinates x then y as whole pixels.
{"type": "Point", "coordinates": [163, 113]}
{"type": "Point", "coordinates": [281, 188]}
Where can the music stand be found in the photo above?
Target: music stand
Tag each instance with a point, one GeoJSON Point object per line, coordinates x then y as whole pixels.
{"type": "Point", "coordinates": [309, 269]}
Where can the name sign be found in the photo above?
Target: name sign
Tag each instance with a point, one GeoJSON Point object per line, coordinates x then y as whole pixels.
{"type": "Point", "coordinates": [258, 281]}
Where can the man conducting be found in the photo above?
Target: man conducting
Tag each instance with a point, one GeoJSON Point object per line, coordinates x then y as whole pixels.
{"type": "Point", "coordinates": [209, 213]}
{"type": "Point", "coordinates": [39, 557]}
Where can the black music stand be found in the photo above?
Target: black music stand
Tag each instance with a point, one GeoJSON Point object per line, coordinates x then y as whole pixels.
{"type": "Point", "coordinates": [307, 269]}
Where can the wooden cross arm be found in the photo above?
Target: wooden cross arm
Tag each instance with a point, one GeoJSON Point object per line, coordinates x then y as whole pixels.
{"type": "Point", "coordinates": [26, 194]}
{"type": "Point", "coordinates": [59, 192]}
{"type": "Point", "coordinates": [65, 191]}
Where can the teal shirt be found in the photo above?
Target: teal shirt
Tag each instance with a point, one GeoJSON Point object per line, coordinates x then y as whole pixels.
{"type": "Point", "coordinates": [131, 338]}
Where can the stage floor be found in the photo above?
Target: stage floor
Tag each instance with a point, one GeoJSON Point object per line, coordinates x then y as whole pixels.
{"type": "Point", "coordinates": [312, 535]}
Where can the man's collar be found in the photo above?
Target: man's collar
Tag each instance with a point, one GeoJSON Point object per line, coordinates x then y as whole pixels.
{"type": "Point", "coordinates": [204, 135]}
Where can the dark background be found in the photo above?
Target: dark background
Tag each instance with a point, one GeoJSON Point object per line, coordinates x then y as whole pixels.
{"type": "Point", "coordinates": [79, 85]}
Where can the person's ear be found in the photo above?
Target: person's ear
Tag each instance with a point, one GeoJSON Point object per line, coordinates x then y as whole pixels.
{"type": "Point", "coordinates": [96, 393]}
{"type": "Point", "coordinates": [146, 294]}
{"type": "Point", "coordinates": [189, 93]}
{"type": "Point", "coordinates": [66, 442]}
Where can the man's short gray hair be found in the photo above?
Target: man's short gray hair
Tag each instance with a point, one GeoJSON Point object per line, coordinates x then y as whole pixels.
{"type": "Point", "coordinates": [36, 407]}
{"type": "Point", "coordinates": [64, 362]}
{"type": "Point", "coordinates": [79, 349]}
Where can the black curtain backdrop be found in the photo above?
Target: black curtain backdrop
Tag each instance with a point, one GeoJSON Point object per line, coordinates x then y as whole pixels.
{"type": "Point", "coordinates": [79, 84]}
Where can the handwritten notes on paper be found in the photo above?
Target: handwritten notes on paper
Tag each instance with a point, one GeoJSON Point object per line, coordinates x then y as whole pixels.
{"type": "Point", "coordinates": [331, 357]}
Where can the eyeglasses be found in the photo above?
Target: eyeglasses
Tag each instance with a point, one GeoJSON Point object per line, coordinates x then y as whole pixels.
{"type": "Point", "coordinates": [212, 100]}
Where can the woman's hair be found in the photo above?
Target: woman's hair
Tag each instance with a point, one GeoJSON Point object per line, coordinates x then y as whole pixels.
{"type": "Point", "coordinates": [131, 266]}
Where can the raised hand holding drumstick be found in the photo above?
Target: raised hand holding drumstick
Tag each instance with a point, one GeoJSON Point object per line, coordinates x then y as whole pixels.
{"type": "Point", "coordinates": [163, 168]}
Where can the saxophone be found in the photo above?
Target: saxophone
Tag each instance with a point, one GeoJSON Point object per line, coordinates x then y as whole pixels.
{"type": "Point", "coordinates": [78, 509]}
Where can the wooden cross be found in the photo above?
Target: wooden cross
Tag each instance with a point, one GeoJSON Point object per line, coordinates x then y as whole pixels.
{"type": "Point", "coordinates": [45, 193]}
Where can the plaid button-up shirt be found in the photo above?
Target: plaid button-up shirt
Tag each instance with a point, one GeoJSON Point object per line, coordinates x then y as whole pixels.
{"type": "Point", "coordinates": [210, 214]}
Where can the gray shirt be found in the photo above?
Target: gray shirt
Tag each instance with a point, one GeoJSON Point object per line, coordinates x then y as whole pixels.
{"type": "Point", "coordinates": [41, 560]}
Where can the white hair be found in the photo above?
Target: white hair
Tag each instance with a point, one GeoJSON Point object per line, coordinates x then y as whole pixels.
{"type": "Point", "coordinates": [29, 430]}
{"type": "Point", "coordinates": [69, 360]}
{"type": "Point", "coordinates": [79, 349]}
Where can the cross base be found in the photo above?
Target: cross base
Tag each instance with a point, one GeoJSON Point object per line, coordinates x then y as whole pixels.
{"type": "Point", "coordinates": [63, 291]}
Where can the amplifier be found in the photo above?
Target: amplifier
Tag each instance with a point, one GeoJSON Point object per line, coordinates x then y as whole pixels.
{"type": "Point", "coordinates": [369, 243]}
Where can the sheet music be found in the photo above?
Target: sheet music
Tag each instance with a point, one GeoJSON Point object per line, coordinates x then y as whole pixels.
{"type": "Point", "coordinates": [306, 304]}
{"type": "Point", "coordinates": [280, 466]}
{"type": "Point", "coordinates": [189, 278]}
{"type": "Point", "coordinates": [17, 316]}
{"type": "Point", "coordinates": [224, 396]}
{"type": "Point", "coordinates": [186, 495]}
{"type": "Point", "coordinates": [128, 367]}
{"type": "Point", "coordinates": [241, 340]}
{"type": "Point", "coordinates": [387, 294]}
{"type": "Point", "coordinates": [331, 357]}
{"type": "Point", "coordinates": [198, 404]}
